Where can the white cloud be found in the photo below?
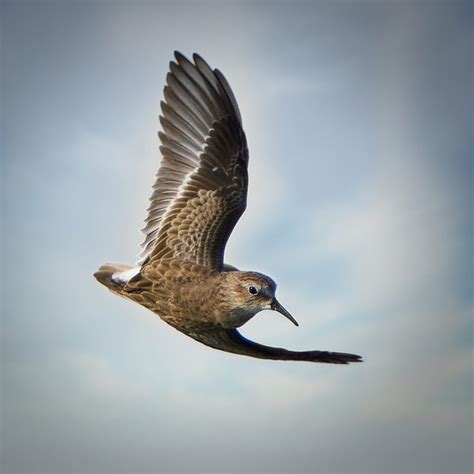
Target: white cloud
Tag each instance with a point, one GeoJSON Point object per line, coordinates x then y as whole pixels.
{"type": "Point", "coordinates": [401, 239]}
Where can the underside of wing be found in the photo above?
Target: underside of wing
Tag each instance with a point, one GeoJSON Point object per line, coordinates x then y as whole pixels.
{"type": "Point", "coordinates": [230, 340]}
{"type": "Point", "coordinates": [201, 187]}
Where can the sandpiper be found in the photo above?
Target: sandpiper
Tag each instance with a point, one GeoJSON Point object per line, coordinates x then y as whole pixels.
{"type": "Point", "coordinates": [199, 194]}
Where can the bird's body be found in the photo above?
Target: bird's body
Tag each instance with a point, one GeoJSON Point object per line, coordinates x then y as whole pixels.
{"type": "Point", "coordinates": [199, 194]}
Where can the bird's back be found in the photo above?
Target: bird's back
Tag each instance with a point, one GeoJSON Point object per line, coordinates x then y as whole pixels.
{"type": "Point", "coordinates": [175, 289]}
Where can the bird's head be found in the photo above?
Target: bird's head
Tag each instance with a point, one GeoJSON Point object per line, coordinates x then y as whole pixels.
{"type": "Point", "coordinates": [249, 293]}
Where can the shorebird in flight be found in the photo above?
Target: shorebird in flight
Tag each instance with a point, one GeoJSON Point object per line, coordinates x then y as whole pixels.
{"type": "Point", "coordinates": [199, 194]}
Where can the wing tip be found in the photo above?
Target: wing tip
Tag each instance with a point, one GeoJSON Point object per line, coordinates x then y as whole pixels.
{"type": "Point", "coordinates": [343, 358]}
{"type": "Point", "coordinates": [178, 55]}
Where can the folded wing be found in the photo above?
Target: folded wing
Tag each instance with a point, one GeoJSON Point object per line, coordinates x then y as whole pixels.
{"type": "Point", "coordinates": [230, 340]}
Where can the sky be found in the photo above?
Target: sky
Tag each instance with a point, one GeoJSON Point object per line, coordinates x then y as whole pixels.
{"type": "Point", "coordinates": [359, 122]}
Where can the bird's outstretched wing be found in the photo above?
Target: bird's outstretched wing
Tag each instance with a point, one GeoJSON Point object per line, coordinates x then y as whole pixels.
{"type": "Point", "coordinates": [201, 187]}
{"type": "Point", "coordinates": [230, 340]}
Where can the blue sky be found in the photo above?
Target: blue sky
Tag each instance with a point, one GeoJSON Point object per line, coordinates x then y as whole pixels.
{"type": "Point", "coordinates": [359, 122]}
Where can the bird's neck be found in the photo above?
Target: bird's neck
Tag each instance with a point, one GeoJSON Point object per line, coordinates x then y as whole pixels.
{"type": "Point", "coordinates": [237, 317]}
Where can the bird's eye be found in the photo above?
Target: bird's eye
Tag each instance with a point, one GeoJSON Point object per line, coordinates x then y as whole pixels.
{"type": "Point", "coordinates": [253, 290]}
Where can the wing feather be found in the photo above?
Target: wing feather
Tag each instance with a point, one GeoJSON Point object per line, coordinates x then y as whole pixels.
{"type": "Point", "coordinates": [201, 186]}
{"type": "Point", "coordinates": [231, 340]}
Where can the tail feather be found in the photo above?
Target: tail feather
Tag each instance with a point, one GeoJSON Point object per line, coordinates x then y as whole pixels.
{"type": "Point", "coordinates": [108, 275]}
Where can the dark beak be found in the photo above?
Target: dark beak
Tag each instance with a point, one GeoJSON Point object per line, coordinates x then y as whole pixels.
{"type": "Point", "coordinates": [276, 306]}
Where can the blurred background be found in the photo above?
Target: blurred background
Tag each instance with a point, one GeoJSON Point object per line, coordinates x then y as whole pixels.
{"type": "Point", "coordinates": [359, 122]}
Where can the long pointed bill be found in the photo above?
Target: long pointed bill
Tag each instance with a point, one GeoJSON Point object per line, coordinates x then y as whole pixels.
{"type": "Point", "coordinates": [276, 306]}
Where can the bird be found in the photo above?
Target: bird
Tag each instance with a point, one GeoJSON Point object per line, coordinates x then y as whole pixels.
{"type": "Point", "coordinates": [199, 194]}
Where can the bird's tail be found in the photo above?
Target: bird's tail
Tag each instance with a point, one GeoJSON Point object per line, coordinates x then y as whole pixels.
{"type": "Point", "coordinates": [115, 275]}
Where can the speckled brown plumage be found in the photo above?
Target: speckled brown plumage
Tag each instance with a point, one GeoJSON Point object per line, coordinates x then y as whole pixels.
{"type": "Point", "coordinates": [199, 194]}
